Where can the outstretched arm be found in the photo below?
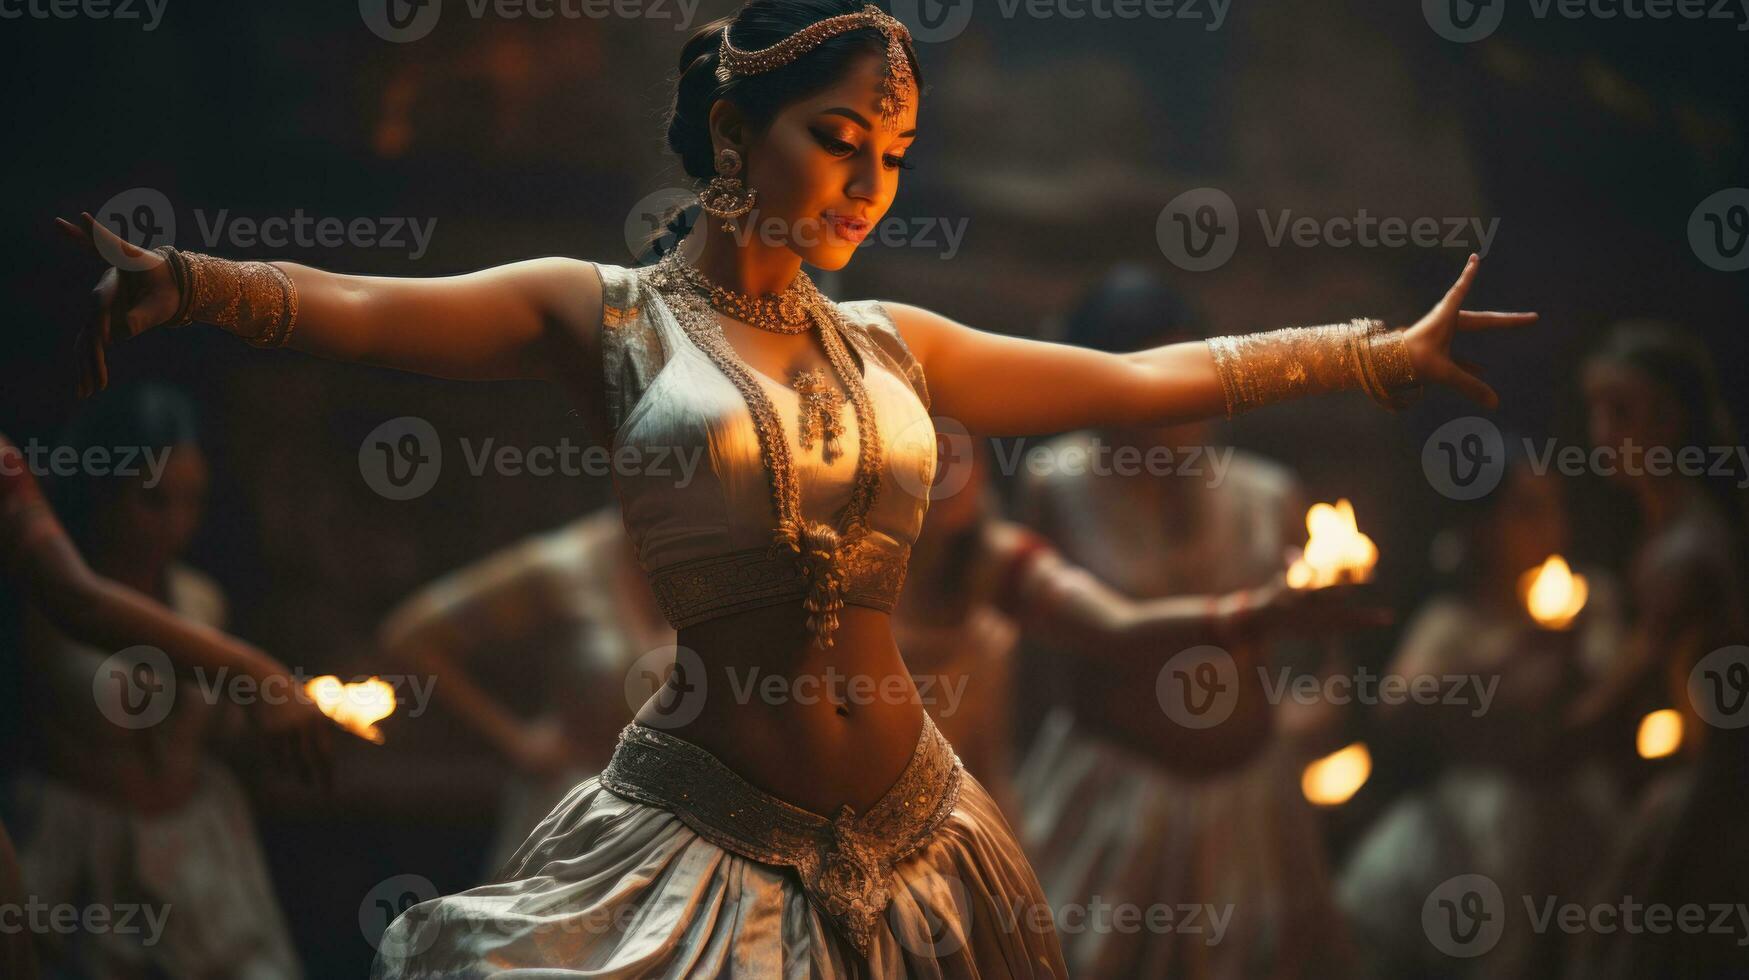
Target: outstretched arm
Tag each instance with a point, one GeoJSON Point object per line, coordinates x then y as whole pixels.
{"type": "Point", "coordinates": [976, 376]}
{"type": "Point", "coordinates": [527, 319]}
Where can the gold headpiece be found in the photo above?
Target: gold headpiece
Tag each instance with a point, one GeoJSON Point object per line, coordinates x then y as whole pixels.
{"type": "Point", "coordinates": [732, 61]}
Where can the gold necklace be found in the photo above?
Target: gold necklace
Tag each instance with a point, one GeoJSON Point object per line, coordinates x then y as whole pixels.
{"type": "Point", "coordinates": [822, 410]}
{"type": "Point", "coordinates": [822, 551]}
{"type": "Point", "coordinates": [785, 312]}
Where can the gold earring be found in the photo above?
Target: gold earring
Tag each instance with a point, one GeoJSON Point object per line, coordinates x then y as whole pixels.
{"type": "Point", "coordinates": [726, 197]}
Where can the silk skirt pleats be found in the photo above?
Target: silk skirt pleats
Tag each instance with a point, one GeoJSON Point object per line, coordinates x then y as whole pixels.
{"type": "Point", "coordinates": [607, 887]}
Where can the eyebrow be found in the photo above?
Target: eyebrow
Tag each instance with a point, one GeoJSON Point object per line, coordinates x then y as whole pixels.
{"type": "Point", "coordinates": [864, 123]}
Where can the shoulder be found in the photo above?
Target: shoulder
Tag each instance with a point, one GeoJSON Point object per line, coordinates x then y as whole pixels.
{"type": "Point", "coordinates": [887, 329]}
{"type": "Point", "coordinates": [196, 595]}
{"type": "Point", "coordinates": [16, 480]}
{"type": "Point", "coordinates": [913, 326]}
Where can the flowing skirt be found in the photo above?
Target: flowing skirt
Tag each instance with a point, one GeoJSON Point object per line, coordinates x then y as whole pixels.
{"type": "Point", "coordinates": [187, 892]}
{"type": "Point", "coordinates": [607, 886]}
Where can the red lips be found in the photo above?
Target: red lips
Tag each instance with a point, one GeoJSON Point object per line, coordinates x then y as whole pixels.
{"type": "Point", "coordinates": [849, 229]}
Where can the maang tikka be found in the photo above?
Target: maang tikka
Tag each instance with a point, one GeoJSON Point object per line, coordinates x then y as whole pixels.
{"type": "Point", "coordinates": [725, 196]}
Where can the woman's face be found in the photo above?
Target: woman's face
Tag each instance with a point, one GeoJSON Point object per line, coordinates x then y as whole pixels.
{"type": "Point", "coordinates": [827, 168]}
{"type": "Point", "coordinates": [152, 525]}
{"type": "Point", "coordinates": [1624, 406]}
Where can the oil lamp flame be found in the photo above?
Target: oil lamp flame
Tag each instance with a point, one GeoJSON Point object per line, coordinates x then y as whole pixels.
{"type": "Point", "coordinates": [355, 707]}
{"type": "Point", "coordinates": [1334, 779]}
{"type": "Point", "coordinates": [1336, 551]}
{"type": "Point", "coordinates": [1660, 734]}
{"type": "Point", "coordinates": [1552, 594]}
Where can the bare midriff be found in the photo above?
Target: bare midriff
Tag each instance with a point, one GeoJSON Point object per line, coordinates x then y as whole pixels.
{"type": "Point", "coordinates": [818, 728]}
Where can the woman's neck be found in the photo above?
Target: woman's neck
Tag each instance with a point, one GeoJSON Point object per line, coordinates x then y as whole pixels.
{"type": "Point", "coordinates": [737, 260]}
{"type": "Point", "coordinates": [1663, 499]}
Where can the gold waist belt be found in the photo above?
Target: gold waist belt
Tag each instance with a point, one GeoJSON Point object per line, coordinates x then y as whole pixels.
{"type": "Point", "coordinates": [693, 591]}
{"type": "Point", "coordinates": [845, 862]}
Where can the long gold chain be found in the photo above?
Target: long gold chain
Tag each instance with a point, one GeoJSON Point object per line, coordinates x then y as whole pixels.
{"type": "Point", "coordinates": [822, 550]}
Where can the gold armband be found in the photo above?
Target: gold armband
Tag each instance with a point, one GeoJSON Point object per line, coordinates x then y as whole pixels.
{"type": "Point", "coordinates": [254, 300]}
{"type": "Point", "coordinates": [1277, 365]}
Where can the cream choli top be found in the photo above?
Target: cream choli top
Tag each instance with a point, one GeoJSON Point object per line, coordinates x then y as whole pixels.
{"type": "Point", "coordinates": [693, 490]}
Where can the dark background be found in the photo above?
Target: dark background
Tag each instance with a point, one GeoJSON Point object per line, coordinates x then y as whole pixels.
{"type": "Point", "coordinates": [1058, 141]}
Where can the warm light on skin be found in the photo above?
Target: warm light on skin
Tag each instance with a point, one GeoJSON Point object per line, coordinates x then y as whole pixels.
{"type": "Point", "coordinates": [1552, 594]}
{"type": "Point", "coordinates": [1336, 551]}
{"type": "Point", "coordinates": [355, 707]}
{"type": "Point", "coordinates": [830, 153]}
{"type": "Point", "coordinates": [1660, 734]}
{"type": "Point", "coordinates": [1334, 779]}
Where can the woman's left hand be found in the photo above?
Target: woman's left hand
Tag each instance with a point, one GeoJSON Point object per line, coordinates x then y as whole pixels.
{"type": "Point", "coordinates": [1429, 340]}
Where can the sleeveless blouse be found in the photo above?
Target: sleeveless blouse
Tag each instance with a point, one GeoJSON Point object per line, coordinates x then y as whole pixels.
{"type": "Point", "coordinates": [693, 489]}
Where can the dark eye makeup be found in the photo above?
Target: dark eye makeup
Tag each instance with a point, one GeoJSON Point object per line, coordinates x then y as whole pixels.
{"type": "Point", "coordinates": [838, 147]}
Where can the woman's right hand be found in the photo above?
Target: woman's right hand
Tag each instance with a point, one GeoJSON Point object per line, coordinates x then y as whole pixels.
{"type": "Point", "coordinates": [296, 736]}
{"type": "Point", "coordinates": [1331, 611]}
{"type": "Point", "coordinates": [136, 293]}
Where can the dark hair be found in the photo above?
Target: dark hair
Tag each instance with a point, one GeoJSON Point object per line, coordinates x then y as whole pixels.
{"type": "Point", "coordinates": [1128, 309]}
{"type": "Point", "coordinates": [146, 415]}
{"type": "Point", "coordinates": [1679, 364]}
{"type": "Point", "coordinates": [761, 97]}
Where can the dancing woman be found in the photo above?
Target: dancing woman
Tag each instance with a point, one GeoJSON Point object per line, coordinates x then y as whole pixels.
{"type": "Point", "coordinates": [43, 574]}
{"type": "Point", "coordinates": [741, 835]}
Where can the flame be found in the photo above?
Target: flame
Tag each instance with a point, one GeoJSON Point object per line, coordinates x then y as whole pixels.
{"type": "Point", "coordinates": [356, 707]}
{"type": "Point", "coordinates": [1552, 593]}
{"type": "Point", "coordinates": [1660, 734]}
{"type": "Point", "coordinates": [1336, 552]}
{"type": "Point", "coordinates": [1334, 779]}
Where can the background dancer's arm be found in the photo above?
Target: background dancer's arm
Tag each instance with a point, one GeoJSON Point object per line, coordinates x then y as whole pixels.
{"type": "Point", "coordinates": [504, 602]}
